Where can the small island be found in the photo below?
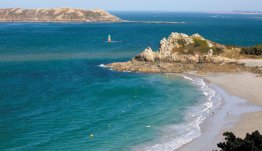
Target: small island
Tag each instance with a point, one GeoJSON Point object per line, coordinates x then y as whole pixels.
{"type": "Point", "coordinates": [56, 15]}
{"type": "Point", "coordinates": [181, 53]}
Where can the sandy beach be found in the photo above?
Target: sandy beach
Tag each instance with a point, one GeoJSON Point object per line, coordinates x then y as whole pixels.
{"type": "Point", "coordinates": [247, 86]}
{"type": "Point", "coordinates": [240, 112]}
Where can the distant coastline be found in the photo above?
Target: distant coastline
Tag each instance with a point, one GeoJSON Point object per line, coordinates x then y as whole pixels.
{"type": "Point", "coordinates": [236, 12]}
{"type": "Point", "coordinates": [56, 15]}
{"type": "Point", "coordinates": [65, 15]}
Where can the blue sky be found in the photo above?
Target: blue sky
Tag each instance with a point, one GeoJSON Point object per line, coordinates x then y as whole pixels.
{"type": "Point", "coordinates": [152, 5]}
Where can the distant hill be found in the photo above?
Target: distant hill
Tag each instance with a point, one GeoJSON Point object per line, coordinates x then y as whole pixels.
{"type": "Point", "coordinates": [56, 15]}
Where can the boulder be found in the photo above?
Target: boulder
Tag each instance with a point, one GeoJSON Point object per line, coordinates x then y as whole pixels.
{"type": "Point", "coordinates": [146, 55]}
{"type": "Point", "coordinates": [198, 36]}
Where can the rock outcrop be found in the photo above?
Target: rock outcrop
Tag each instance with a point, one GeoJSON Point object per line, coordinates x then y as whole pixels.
{"type": "Point", "coordinates": [179, 47]}
{"type": "Point", "coordinates": [56, 15]}
{"type": "Point", "coordinates": [146, 55]}
{"type": "Point", "coordinates": [182, 53]}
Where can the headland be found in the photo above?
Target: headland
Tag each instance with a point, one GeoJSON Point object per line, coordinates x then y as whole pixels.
{"type": "Point", "coordinates": [233, 72]}
{"type": "Point", "coordinates": [181, 53]}
{"type": "Point", "coordinates": [56, 15]}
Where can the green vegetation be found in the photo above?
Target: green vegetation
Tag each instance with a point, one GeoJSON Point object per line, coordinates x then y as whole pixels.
{"type": "Point", "coordinates": [217, 50]}
{"type": "Point", "coordinates": [181, 42]}
{"type": "Point", "coordinates": [255, 50]}
{"type": "Point", "coordinates": [200, 45]}
{"type": "Point", "coordinates": [252, 142]}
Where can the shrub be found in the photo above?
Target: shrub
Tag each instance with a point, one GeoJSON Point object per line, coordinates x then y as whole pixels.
{"type": "Point", "coordinates": [217, 50]}
{"type": "Point", "coordinates": [252, 142]}
{"type": "Point", "coordinates": [181, 42]}
{"type": "Point", "coordinates": [201, 45]}
{"type": "Point", "coordinates": [255, 50]}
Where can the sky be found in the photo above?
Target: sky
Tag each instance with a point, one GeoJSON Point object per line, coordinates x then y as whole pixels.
{"type": "Point", "coordinates": [141, 5]}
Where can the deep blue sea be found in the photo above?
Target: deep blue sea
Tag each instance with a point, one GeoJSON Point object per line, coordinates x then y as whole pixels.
{"type": "Point", "coordinates": [54, 94]}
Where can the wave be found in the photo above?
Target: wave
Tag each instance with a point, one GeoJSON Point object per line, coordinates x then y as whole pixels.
{"type": "Point", "coordinates": [102, 65]}
{"type": "Point", "coordinates": [188, 78]}
{"type": "Point", "coordinates": [180, 134]}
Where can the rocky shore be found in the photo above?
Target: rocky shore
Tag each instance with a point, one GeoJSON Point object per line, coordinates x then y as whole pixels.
{"type": "Point", "coordinates": [181, 53]}
{"type": "Point", "coordinates": [56, 15]}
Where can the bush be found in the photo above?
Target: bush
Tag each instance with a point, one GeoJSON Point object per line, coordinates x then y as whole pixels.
{"type": "Point", "coordinates": [181, 42]}
{"type": "Point", "coordinates": [252, 142]}
{"type": "Point", "coordinates": [256, 50]}
{"type": "Point", "coordinates": [217, 50]}
{"type": "Point", "coordinates": [201, 45]}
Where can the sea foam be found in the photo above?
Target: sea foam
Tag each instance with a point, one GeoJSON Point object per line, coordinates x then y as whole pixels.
{"type": "Point", "coordinates": [177, 135]}
{"type": "Point", "coordinates": [102, 65]}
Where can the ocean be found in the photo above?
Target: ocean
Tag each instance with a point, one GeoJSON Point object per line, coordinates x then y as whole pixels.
{"type": "Point", "coordinates": [55, 93]}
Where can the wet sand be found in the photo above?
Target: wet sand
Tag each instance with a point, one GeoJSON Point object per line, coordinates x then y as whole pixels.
{"type": "Point", "coordinates": [241, 111]}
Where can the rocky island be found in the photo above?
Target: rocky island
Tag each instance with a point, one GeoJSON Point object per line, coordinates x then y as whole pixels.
{"type": "Point", "coordinates": [181, 53]}
{"type": "Point", "coordinates": [56, 15]}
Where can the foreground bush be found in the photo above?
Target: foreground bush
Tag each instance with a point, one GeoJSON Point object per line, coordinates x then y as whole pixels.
{"type": "Point", "coordinates": [252, 142]}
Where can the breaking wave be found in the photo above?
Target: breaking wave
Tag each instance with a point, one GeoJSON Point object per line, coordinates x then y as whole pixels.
{"type": "Point", "coordinates": [177, 135]}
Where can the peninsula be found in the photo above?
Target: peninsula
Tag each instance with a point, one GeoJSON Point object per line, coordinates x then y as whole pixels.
{"type": "Point", "coordinates": [56, 15]}
{"type": "Point", "coordinates": [181, 53]}
{"type": "Point", "coordinates": [228, 67]}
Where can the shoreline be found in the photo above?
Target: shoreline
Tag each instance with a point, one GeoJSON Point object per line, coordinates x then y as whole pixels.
{"type": "Point", "coordinates": [234, 111]}
{"type": "Point", "coordinates": [241, 109]}
{"type": "Point", "coordinates": [195, 115]}
{"type": "Point", "coordinates": [239, 112]}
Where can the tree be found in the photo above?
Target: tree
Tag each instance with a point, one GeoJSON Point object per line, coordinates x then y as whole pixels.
{"type": "Point", "coordinates": [252, 142]}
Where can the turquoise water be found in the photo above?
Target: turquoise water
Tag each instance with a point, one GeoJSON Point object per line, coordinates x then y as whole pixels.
{"type": "Point", "coordinates": [54, 95]}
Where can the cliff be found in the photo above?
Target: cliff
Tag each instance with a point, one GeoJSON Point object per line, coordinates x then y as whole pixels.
{"type": "Point", "coordinates": [183, 53]}
{"type": "Point", "coordinates": [55, 15]}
